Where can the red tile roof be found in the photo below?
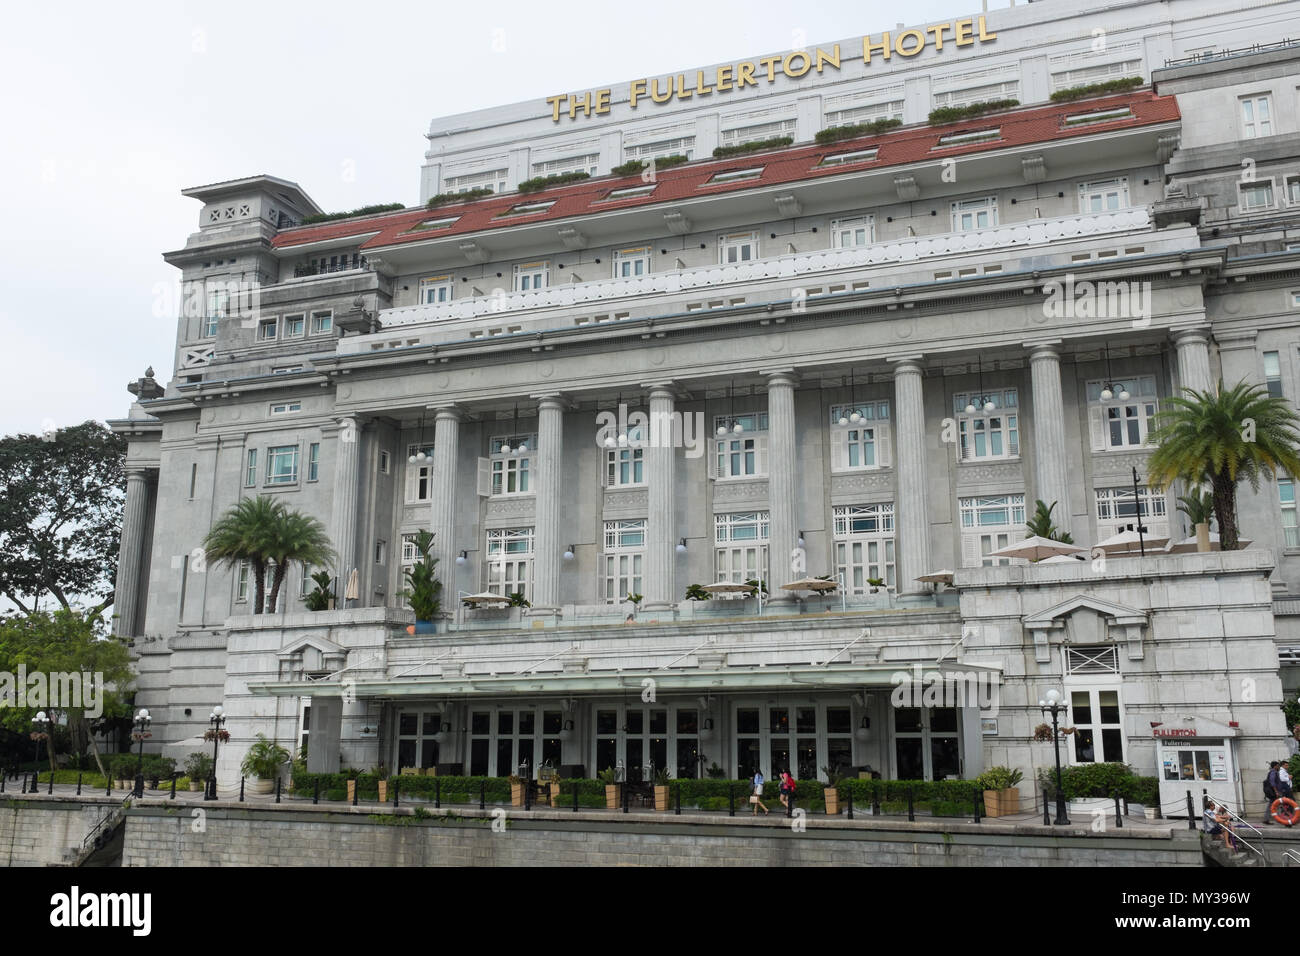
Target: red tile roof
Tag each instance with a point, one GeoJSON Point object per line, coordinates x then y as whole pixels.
{"type": "Point", "coordinates": [899, 147]}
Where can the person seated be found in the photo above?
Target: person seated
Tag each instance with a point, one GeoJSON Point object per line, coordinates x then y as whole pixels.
{"type": "Point", "coordinates": [1223, 821]}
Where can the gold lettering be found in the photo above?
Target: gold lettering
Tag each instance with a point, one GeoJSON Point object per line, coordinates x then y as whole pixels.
{"type": "Point", "coordinates": [789, 71]}
{"type": "Point", "coordinates": [770, 62]}
{"type": "Point", "coordinates": [682, 92]}
{"type": "Point", "coordinates": [723, 81]}
{"type": "Point", "coordinates": [983, 34]}
{"type": "Point", "coordinates": [584, 104]}
{"type": "Point", "coordinates": [962, 31]}
{"type": "Point", "coordinates": [937, 32]}
{"type": "Point", "coordinates": [654, 91]}
{"type": "Point", "coordinates": [920, 42]}
{"type": "Point", "coordinates": [638, 91]}
{"type": "Point", "coordinates": [700, 88]}
{"type": "Point", "coordinates": [602, 101]}
{"type": "Point", "coordinates": [556, 102]}
{"type": "Point", "coordinates": [745, 75]}
{"type": "Point", "coordinates": [883, 46]}
{"type": "Point", "coordinates": [824, 58]}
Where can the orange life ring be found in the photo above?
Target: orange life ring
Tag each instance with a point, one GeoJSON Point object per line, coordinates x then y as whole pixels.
{"type": "Point", "coordinates": [1287, 818]}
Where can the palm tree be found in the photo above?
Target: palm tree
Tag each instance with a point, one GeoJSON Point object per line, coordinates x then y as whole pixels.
{"type": "Point", "coordinates": [261, 531]}
{"type": "Point", "coordinates": [1217, 438]}
{"type": "Point", "coordinates": [1198, 506]}
{"type": "Point", "coordinates": [1041, 524]}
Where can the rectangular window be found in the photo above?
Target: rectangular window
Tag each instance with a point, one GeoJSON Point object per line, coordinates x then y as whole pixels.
{"type": "Point", "coordinates": [250, 476]}
{"type": "Point", "coordinates": [742, 452]}
{"type": "Point", "coordinates": [1098, 726]}
{"type": "Point", "coordinates": [1006, 90]}
{"type": "Point", "coordinates": [1105, 196]}
{"type": "Point", "coordinates": [217, 302]}
{"type": "Point", "coordinates": [1273, 374]}
{"type": "Point", "coordinates": [1119, 413]}
{"type": "Point", "coordinates": [849, 157]}
{"type": "Point", "coordinates": [625, 465]}
{"type": "Point", "coordinates": [1293, 190]}
{"type": "Point", "coordinates": [294, 325]}
{"type": "Point", "coordinates": [630, 263]}
{"type": "Point", "coordinates": [987, 425]}
{"type": "Point", "coordinates": [858, 231]}
{"type": "Point", "coordinates": [306, 585]}
{"type": "Point", "coordinates": [493, 179]}
{"type": "Point", "coordinates": [628, 192]}
{"type": "Point", "coordinates": [511, 463]}
{"type": "Point", "coordinates": [435, 290]}
{"type": "Point", "coordinates": [621, 561]}
{"type": "Point", "coordinates": [587, 163]}
{"type": "Point", "coordinates": [322, 323]}
{"type": "Point", "coordinates": [1256, 117]}
{"type": "Point", "coordinates": [1286, 496]}
{"type": "Point", "coordinates": [313, 461]}
{"type": "Point", "coordinates": [734, 176]}
{"type": "Point", "coordinates": [282, 465]}
{"type": "Point", "coordinates": [285, 408]}
{"type": "Point", "coordinates": [864, 545]}
{"type": "Point", "coordinates": [419, 473]}
{"type": "Point", "coordinates": [266, 330]}
{"type": "Point", "coordinates": [967, 137]}
{"type": "Point", "coordinates": [990, 523]}
{"type": "Point", "coordinates": [194, 477]}
{"type": "Point", "coordinates": [741, 552]}
{"type": "Point", "coordinates": [681, 146]}
{"type": "Point", "coordinates": [968, 214]}
{"type": "Point", "coordinates": [1116, 512]}
{"type": "Point", "coordinates": [1083, 75]}
{"type": "Point", "coordinates": [241, 583]}
{"type": "Point", "coordinates": [509, 560]}
{"type": "Point", "coordinates": [1256, 195]}
{"type": "Point", "coordinates": [381, 552]}
{"type": "Point", "coordinates": [531, 276]}
{"type": "Point", "coordinates": [527, 208]}
{"type": "Point", "coordinates": [760, 131]}
{"type": "Point", "coordinates": [860, 436]}
{"type": "Point", "coordinates": [862, 112]}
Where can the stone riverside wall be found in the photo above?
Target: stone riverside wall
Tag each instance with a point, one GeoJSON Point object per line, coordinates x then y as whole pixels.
{"type": "Point", "coordinates": [157, 835]}
{"type": "Point", "coordinates": [42, 832]}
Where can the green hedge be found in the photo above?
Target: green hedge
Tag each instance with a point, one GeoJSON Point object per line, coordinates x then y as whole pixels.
{"type": "Point", "coordinates": [951, 114]}
{"type": "Point", "coordinates": [833, 134]}
{"type": "Point", "coordinates": [634, 166]}
{"type": "Point", "coordinates": [470, 195]}
{"type": "Point", "coordinates": [752, 147]}
{"type": "Point", "coordinates": [363, 211]}
{"type": "Point", "coordinates": [1097, 89]}
{"type": "Point", "coordinates": [538, 183]}
{"type": "Point", "coordinates": [1092, 780]}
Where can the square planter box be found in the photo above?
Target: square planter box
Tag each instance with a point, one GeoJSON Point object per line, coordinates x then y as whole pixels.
{"type": "Point", "coordinates": [832, 796]}
{"type": "Point", "coordinates": [661, 797]}
{"type": "Point", "coordinates": [613, 796]}
{"type": "Point", "coordinates": [517, 794]}
{"type": "Point", "coordinates": [1001, 803]}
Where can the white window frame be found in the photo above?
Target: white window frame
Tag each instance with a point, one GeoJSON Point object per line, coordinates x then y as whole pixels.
{"type": "Point", "coordinates": [1094, 688]}
{"type": "Point", "coordinates": [1287, 505]}
{"type": "Point", "coordinates": [741, 558]}
{"type": "Point", "coordinates": [385, 462]}
{"type": "Point", "coordinates": [1246, 190]}
{"type": "Point", "coordinates": [286, 408]}
{"type": "Point", "coordinates": [313, 461]}
{"type": "Point", "coordinates": [585, 163]}
{"type": "Point", "coordinates": [740, 454]}
{"type": "Point", "coordinates": [514, 468]}
{"type": "Point", "coordinates": [1002, 424]}
{"type": "Point", "coordinates": [624, 467]}
{"type": "Point", "coordinates": [218, 301]}
{"type": "Point", "coordinates": [679, 146]}
{"type": "Point", "coordinates": [266, 330]}
{"type": "Point", "coordinates": [419, 474]}
{"type": "Point", "coordinates": [735, 176]}
{"type": "Point", "coordinates": [250, 472]}
{"type": "Point", "coordinates": [275, 453]}
{"type": "Point", "coordinates": [1114, 513]}
{"type": "Point", "coordinates": [322, 322]}
{"type": "Point", "coordinates": [1273, 376]}
{"type": "Point", "coordinates": [864, 545]}
{"type": "Point", "coordinates": [531, 276]}
{"type": "Point", "coordinates": [435, 290]}
{"type": "Point", "coordinates": [853, 443]}
{"type": "Point", "coordinates": [758, 132]}
{"type": "Point", "coordinates": [509, 560]}
{"type": "Point", "coordinates": [622, 559]}
{"type": "Point", "coordinates": [966, 213]}
{"type": "Point", "coordinates": [1107, 195]}
{"type": "Point", "coordinates": [738, 247]}
{"type": "Point", "coordinates": [1291, 190]}
{"type": "Point", "coordinates": [853, 232]}
{"type": "Point", "coordinates": [494, 179]}
{"type": "Point", "coordinates": [979, 538]}
{"type": "Point", "coordinates": [295, 325]}
{"type": "Point", "coordinates": [1004, 90]}
{"type": "Point", "coordinates": [1252, 125]}
{"type": "Point", "coordinates": [1140, 408]}
{"type": "Point", "coordinates": [631, 263]}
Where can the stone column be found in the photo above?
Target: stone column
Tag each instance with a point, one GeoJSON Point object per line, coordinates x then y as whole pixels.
{"type": "Point", "coordinates": [442, 493]}
{"type": "Point", "coordinates": [910, 507]}
{"type": "Point", "coordinates": [783, 534]}
{"type": "Point", "coordinates": [1051, 458]}
{"type": "Point", "coordinates": [661, 521]}
{"type": "Point", "coordinates": [1193, 347]}
{"type": "Point", "coordinates": [131, 553]}
{"type": "Point", "coordinates": [343, 521]}
{"type": "Point", "coordinates": [547, 544]}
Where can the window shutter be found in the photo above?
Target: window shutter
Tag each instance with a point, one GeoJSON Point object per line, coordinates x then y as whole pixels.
{"type": "Point", "coordinates": [884, 451]}
{"type": "Point", "coordinates": [1097, 426]}
{"type": "Point", "coordinates": [837, 449]}
{"type": "Point", "coordinates": [604, 467]}
{"type": "Point", "coordinates": [970, 551]}
{"type": "Point", "coordinates": [760, 455]}
{"type": "Point", "coordinates": [712, 458]}
{"type": "Point", "coordinates": [485, 478]}
{"type": "Point", "coordinates": [1013, 436]}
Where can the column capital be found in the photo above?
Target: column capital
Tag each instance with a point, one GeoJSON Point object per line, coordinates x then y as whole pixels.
{"type": "Point", "coordinates": [1195, 334]}
{"type": "Point", "coordinates": [451, 411]}
{"type": "Point", "coordinates": [906, 364]}
{"type": "Point", "coordinates": [137, 473]}
{"type": "Point", "coordinates": [780, 375]}
{"type": "Point", "coordinates": [1050, 348]}
{"type": "Point", "coordinates": [665, 388]}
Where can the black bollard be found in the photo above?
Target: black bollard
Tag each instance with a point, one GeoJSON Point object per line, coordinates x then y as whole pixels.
{"type": "Point", "coordinates": [437, 793]}
{"type": "Point", "coordinates": [977, 806]}
{"type": "Point", "coordinates": [731, 799]}
{"type": "Point", "coordinates": [51, 790]}
{"type": "Point", "coordinates": [1047, 819]}
{"type": "Point", "coordinates": [173, 796]}
{"type": "Point", "coordinates": [850, 803]}
{"type": "Point", "coordinates": [623, 791]}
{"type": "Point", "coordinates": [108, 785]}
{"type": "Point", "coordinates": [277, 789]}
{"type": "Point", "coordinates": [1191, 813]}
{"type": "Point", "coordinates": [78, 785]}
{"type": "Point", "coordinates": [528, 795]}
{"type": "Point", "coordinates": [482, 795]}
{"type": "Point", "coordinates": [875, 801]}
{"type": "Point", "coordinates": [3, 777]}
{"type": "Point", "coordinates": [241, 789]}
{"type": "Point", "coordinates": [1119, 820]}
{"type": "Point", "coordinates": [789, 804]}
{"type": "Point", "coordinates": [575, 796]}
{"type": "Point", "coordinates": [315, 797]}
{"type": "Point", "coordinates": [356, 792]}
{"type": "Point", "coordinates": [678, 811]}
{"type": "Point", "coordinates": [911, 810]}
{"type": "Point", "coordinates": [397, 792]}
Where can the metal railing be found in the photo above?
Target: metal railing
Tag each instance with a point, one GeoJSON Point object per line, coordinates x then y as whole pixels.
{"type": "Point", "coordinates": [1225, 54]}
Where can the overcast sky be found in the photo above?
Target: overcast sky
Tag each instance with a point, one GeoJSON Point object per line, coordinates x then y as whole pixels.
{"type": "Point", "coordinates": [109, 110]}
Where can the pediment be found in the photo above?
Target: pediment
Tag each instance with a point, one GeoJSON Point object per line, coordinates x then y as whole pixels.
{"type": "Point", "coordinates": [326, 648]}
{"type": "Point", "coordinates": [1085, 605]}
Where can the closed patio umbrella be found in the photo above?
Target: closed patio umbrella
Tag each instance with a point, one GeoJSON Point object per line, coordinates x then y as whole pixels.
{"type": "Point", "coordinates": [353, 591]}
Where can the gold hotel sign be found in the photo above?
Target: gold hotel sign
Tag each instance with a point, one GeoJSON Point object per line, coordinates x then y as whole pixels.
{"type": "Point", "coordinates": [795, 65]}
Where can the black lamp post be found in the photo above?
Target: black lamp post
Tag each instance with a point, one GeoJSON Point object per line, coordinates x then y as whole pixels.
{"type": "Point", "coordinates": [216, 720]}
{"type": "Point", "coordinates": [40, 727]}
{"type": "Point", "coordinates": [142, 722]}
{"type": "Point", "coordinates": [1055, 707]}
{"type": "Point", "coordinates": [1137, 507]}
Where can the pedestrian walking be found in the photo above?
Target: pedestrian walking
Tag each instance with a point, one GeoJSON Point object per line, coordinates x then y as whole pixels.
{"type": "Point", "coordinates": [1270, 791]}
{"type": "Point", "coordinates": [756, 798]}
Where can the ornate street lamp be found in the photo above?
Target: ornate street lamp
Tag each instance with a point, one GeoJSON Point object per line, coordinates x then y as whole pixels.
{"type": "Point", "coordinates": [141, 724]}
{"type": "Point", "coordinates": [40, 731]}
{"type": "Point", "coordinates": [1054, 707]}
{"type": "Point", "coordinates": [215, 733]}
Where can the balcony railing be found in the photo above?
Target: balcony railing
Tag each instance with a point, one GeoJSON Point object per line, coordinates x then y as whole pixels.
{"type": "Point", "coordinates": [302, 272]}
{"type": "Point", "coordinates": [1021, 234]}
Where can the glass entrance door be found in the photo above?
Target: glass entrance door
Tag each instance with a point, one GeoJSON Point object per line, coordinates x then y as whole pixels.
{"type": "Point", "coordinates": [927, 743]}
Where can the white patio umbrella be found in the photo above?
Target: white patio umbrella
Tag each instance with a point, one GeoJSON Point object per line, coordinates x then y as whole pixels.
{"type": "Point", "coordinates": [1062, 559]}
{"type": "Point", "coordinates": [810, 584]}
{"type": "Point", "coordinates": [1036, 548]}
{"type": "Point", "coordinates": [485, 597]}
{"type": "Point", "coordinates": [728, 587]}
{"type": "Point", "coordinates": [1127, 541]}
{"type": "Point", "coordinates": [937, 577]}
{"type": "Point", "coordinates": [1189, 544]}
{"type": "Point", "coordinates": [353, 591]}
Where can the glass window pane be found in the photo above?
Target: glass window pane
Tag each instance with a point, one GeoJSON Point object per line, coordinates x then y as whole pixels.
{"type": "Point", "coordinates": [945, 757]}
{"type": "Point", "coordinates": [635, 720]}
{"type": "Point", "coordinates": [1083, 746]}
{"type": "Point", "coordinates": [407, 723]}
{"type": "Point", "coordinates": [1112, 749]}
{"type": "Point", "coordinates": [778, 720]}
{"type": "Point", "coordinates": [479, 723]}
{"type": "Point", "coordinates": [838, 720]}
{"type": "Point", "coordinates": [1108, 706]}
{"type": "Point", "coordinates": [688, 722]}
{"type": "Point", "coordinates": [911, 764]}
{"type": "Point", "coordinates": [526, 721]}
{"type": "Point", "coordinates": [747, 721]}
{"type": "Point", "coordinates": [943, 719]}
{"type": "Point", "coordinates": [907, 720]}
{"type": "Point", "coordinates": [552, 721]}
{"type": "Point", "coordinates": [1081, 706]}
{"type": "Point", "coordinates": [606, 722]}
{"type": "Point", "coordinates": [659, 724]}
{"type": "Point", "coordinates": [806, 720]}
{"type": "Point", "coordinates": [506, 722]}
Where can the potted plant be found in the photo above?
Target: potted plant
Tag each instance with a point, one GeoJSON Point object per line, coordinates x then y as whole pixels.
{"type": "Point", "coordinates": [831, 791]}
{"type": "Point", "coordinates": [613, 789]}
{"type": "Point", "coordinates": [352, 776]}
{"type": "Point", "coordinates": [662, 779]}
{"type": "Point", "coordinates": [122, 767]}
{"type": "Point", "coordinates": [875, 585]}
{"type": "Point", "coordinates": [517, 600]}
{"type": "Point", "coordinates": [263, 762]}
{"type": "Point", "coordinates": [424, 590]}
{"type": "Point", "coordinates": [517, 785]}
{"type": "Point", "coordinates": [1001, 798]}
{"type": "Point", "coordinates": [696, 592]}
{"type": "Point", "coordinates": [381, 775]}
{"type": "Point", "coordinates": [322, 597]}
{"type": "Point", "coordinates": [198, 767]}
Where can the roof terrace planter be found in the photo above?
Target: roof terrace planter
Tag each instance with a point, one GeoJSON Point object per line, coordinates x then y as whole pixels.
{"type": "Point", "coordinates": [951, 114]}
{"type": "Point", "coordinates": [361, 211]}
{"type": "Point", "coordinates": [1120, 85]}
{"type": "Point", "coordinates": [538, 183]}
{"type": "Point", "coordinates": [634, 166]}
{"type": "Point", "coordinates": [470, 195]}
{"type": "Point", "coordinates": [754, 146]}
{"type": "Point", "coordinates": [834, 134]}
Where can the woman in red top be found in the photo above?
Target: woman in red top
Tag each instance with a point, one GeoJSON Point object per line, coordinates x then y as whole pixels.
{"type": "Point", "coordinates": [787, 787]}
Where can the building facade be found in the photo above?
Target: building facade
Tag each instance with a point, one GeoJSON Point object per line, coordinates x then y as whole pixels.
{"type": "Point", "coordinates": [863, 359]}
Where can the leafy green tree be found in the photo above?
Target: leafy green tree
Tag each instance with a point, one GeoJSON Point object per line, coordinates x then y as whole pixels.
{"type": "Point", "coordinates": [1041, 524]}
{"type": "Point", "coordinates": [1218, 438]}
{"type": "Point", "coordinates": [263, 532]}
{"type": "Point", "coordinates": [61, 498]}
{"type": "Point", "coordinates": [67, 642]}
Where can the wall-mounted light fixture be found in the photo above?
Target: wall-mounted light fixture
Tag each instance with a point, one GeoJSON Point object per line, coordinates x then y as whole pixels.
{"type": "Point", "coordinates": [681, 546]}
{"type": "Point", "coordinates": [462, 557]}
{"type": "Point", "coordinates": [568, 553]}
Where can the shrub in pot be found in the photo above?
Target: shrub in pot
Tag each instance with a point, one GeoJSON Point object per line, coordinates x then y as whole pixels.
{"type": "Point", "coordinates": [831, 792]}
{"type": "Point", "coordinates": [198, 767]}
{"type": "Point", "coordinates": [662, 780]}
{"type": "Point", "coordinates": [1001, 798]}
{"type": "Point", "coordinates": [424, 591]}
{"type": "Point", "coordinates": [263, 762]}
{"type": "Point", "coordinates": [613, 789]}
